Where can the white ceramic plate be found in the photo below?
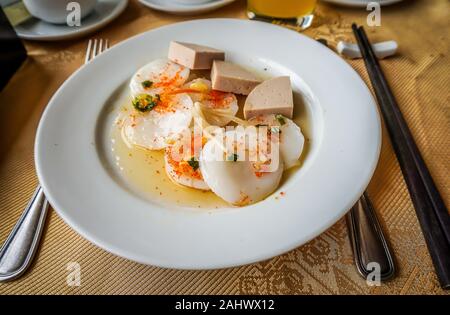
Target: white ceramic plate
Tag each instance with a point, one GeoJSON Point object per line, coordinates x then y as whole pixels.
{"type": "Point", "coordinates": [105, 12]}
{"type": "Point", "coordinates": [361, 3]}
{"type": "Point", "coordinates": [173, 7]}
{"type": "Point", "coordinates": [73, 140]}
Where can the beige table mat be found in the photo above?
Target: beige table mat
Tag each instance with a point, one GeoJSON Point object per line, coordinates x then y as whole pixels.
{"type": "Point", "coordinates": [420, 78]}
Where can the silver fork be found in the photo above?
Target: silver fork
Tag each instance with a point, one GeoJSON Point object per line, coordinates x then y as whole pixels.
{"type": "Point", "coordinates": [17, 253]}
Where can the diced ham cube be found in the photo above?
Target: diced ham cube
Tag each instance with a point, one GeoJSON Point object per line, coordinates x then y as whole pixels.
{"type": "Point", "coordinates": [229, 77]}
{"type": "Point", "coordinates": [273, 96]}
{"type": "Point", "coordinates": [194, 56]}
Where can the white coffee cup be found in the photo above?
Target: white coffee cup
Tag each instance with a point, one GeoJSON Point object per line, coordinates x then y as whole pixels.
{"type": "Point", "coordinates": [55, 11]}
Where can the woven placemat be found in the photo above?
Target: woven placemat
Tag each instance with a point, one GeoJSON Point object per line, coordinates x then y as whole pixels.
{"type": "Point", "coordinates": [419, 76]}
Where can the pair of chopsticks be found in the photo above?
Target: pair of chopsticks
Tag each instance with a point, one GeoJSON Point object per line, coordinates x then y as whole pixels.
{"type": "Point", "coordinates": [430, 209]}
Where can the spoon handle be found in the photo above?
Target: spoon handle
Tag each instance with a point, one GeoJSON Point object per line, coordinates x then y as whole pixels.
{"type": "Point", "coordinates": [17, 252]}
{"type": "Point", "coordinates": [367, 239]}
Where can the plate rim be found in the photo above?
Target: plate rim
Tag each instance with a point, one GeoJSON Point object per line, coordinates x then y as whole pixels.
{"type": "Point", "coordinates": [183, 9]}
{"type": "Point", "coordinates": [237, 262]}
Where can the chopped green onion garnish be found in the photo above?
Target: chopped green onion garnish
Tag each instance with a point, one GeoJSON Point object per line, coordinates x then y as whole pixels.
{"type": "Point", "coordinates": [147, 83]}
{"type": "Point", "coordinates": [145, 102]}
{"type": "Point", "coordinates": [193, 163]}
{"type": "Point", "coordinates": [234, 157]}
{"type": "Point", "coordinates": [280, 119]}
{"type": "Point", "coordinates": [275, 129]}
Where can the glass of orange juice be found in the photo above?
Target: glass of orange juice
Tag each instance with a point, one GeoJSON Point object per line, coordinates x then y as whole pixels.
{"type": "Point", "coordinates": [299, 11]}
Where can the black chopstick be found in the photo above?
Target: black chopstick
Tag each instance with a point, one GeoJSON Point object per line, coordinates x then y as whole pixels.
{"type": "Point", "coordinates": [431, 211]}
{"type": "Point", "coordinates": [436, 199]}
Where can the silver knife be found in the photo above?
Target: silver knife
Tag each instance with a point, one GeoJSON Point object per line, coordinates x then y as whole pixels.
{"type": "Point", "coordinates": [367, 239]}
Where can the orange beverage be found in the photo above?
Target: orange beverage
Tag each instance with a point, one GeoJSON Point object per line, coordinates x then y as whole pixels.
{"type": "Point", "coordinates": [300, 10]}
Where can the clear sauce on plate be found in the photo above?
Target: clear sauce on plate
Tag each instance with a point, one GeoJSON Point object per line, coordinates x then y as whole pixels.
{"type": "Point", "coordinates": [143, 170]}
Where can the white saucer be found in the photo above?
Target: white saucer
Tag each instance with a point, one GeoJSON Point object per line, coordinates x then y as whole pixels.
{"type": "Point", "coordinates": [184, 9]}
{"type": "Point", "coordinates": [360, 3]}
{"type": "Point", "coordinates": [105, 12]}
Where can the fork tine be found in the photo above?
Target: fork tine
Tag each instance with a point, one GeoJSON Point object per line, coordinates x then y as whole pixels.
{"type": "Point", "coordinates": [95, 47]}
{"type": "Point", "coordinates": [100, 46]}
{"type": "Point", "coordinates": [94, 50]}
{"type": "Point", "coordinates": [88, 52]}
